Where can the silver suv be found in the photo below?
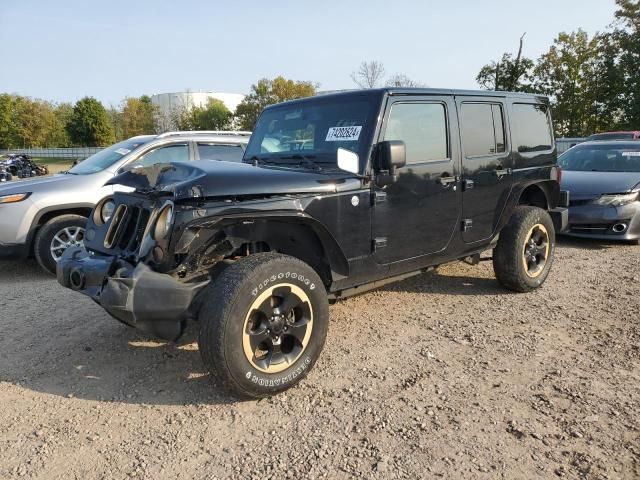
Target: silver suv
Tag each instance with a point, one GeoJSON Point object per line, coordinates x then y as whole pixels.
{"type": "Point", "coordinates": [46, 215]}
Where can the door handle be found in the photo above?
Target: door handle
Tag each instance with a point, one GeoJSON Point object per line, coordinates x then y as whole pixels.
{"type": "Point", "coordinates": [501, 172]}
{"type": "Point", "coordinates": [445, 181]}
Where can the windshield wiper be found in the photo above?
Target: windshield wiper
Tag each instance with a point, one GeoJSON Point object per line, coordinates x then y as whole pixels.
{"type": "Point", "coordinates": [306, 159]}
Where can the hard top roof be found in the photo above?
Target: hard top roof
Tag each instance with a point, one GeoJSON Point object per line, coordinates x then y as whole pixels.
{"type": "Point", "coordinates": [378, 92]}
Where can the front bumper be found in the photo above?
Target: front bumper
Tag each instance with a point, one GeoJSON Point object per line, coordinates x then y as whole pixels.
{"type": "Point", "coordinates": [136, 295]}
{"type": "Point", "coordinates": [604, 222]}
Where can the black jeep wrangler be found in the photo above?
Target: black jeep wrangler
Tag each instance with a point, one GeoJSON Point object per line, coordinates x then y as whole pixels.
{"type": "Point", "coordinates": [337, 194]}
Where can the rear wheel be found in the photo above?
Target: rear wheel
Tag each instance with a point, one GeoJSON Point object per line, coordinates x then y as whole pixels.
{"type": "Point", "coordinates": [55, 236]}
{"type": "Point", "coordinates": [263, 324]}
{"type": "Point", "coordinates": [523, 256]}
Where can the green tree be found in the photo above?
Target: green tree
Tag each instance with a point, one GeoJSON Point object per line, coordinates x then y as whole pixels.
{"type": "Point", "coordinates": [213, 116]}
{"type": "Point", "coordinates": [7, 134]}
{"type": "Point", "coordinates": [267, 92]}
{"type": "Point", "coordinates": [627, 38]}
{"type": "Point", "coordinates": [90, 124]}
{"type": "Point", "coordinates": [508, 74]}
{"type": "Point", "coordinates": [138, 116]}
{"type": "Point", "coordinates": [57, 135]}
{"type": "Point", "coordinates": [32, 122]}
{"type": "Point", "coordinates": [568, 74]}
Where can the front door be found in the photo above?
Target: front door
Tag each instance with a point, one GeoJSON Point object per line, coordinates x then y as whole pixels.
{"type": "Point", "coordinates": [486, 166]}
{"type": "Point", "coordinates": [419, 213]}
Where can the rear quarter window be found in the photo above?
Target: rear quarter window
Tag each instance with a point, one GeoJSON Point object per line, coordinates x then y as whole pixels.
{"type": "Point", "coordinates": [532, 128]}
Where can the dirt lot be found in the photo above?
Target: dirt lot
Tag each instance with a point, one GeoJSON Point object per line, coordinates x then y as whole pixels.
{"type": "Point", "coordinates": [444, 375]}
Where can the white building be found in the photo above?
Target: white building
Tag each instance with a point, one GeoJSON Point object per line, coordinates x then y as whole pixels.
{"type": "Point", "coordinates": [170, 103]}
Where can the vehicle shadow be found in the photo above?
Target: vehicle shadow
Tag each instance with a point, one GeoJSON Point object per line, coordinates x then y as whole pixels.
{"type": "Point", "coordinates": [439, 283]}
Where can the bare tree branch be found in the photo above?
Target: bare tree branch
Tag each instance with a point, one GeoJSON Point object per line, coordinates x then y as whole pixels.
{"type": "Point", "coordinates": [369, 74]}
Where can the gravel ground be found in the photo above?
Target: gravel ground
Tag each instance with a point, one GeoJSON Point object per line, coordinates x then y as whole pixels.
{"type": "Point", "coordinates": [444, 375]}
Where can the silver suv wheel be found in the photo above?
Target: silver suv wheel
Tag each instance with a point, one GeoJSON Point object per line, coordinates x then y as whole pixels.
{"type": "Point", "coordinates": [65, 238]}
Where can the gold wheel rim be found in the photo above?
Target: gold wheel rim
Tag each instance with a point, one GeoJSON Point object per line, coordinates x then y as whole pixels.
{"type": "Point", "coordinates": [536, 250]}
{"type": "Point", "coordinates": [273, 339]}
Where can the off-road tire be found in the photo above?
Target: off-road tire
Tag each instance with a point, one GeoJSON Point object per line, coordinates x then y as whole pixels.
{"type": "Point", "coordinates": [42, 242]}
{"type": "Point", "coordinates": [226, 310]}
{"type": "Point", "coordinates": [508, 256]}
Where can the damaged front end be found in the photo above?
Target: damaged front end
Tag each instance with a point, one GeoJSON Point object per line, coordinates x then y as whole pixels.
{"type": "Point", "coordinates": [134, 294]}
{"type": "Point", "coordinates": [125, 264]}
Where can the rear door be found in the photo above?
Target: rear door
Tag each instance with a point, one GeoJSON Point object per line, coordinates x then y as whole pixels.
{"type": "Point", "coordinates": [487, 165]}
{"type": "Point", "coordinates": [419, 213]}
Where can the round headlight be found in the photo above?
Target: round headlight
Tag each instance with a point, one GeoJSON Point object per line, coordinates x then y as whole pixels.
{"type": "Point", "coordinates": [163, 224]}
{"type": "Point", "coordinates": [107, 210]}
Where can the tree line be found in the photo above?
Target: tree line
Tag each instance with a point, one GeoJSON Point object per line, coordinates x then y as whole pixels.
{"type": "Point", "coordinates": [27, 122]}
{"type": "Point", "coordinates": [593, 82]}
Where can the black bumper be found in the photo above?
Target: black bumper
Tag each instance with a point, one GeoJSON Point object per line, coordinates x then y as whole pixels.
{"type": "Point", "coordinates": [14, 250]}
{"type": "Point", "coordinates": [560, 217]}
{"type": "Point", "coordinates": [136, 295]}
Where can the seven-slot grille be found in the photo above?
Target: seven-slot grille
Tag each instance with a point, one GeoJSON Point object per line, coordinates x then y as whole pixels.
{"type": "Point", "coordinates": [127, 228]}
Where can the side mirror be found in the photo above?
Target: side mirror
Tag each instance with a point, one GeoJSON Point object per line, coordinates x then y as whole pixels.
{"type": "Point", "coordinates": [392, 154]}
{"type": "Point", "coordinates": [348, 160]}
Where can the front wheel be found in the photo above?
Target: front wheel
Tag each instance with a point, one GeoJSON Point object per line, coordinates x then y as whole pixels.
{"type": "Point", "coordinates": [263, 324]}
{"type": "Point", "coordinates": [55, 236]}
{"type": "Point", "coordinates": [523, 256]}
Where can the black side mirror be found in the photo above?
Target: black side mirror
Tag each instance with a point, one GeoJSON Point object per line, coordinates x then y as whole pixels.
{"type": "Point", "coordinates": [392, 154]}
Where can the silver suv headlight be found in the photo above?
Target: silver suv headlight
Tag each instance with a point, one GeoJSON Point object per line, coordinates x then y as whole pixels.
{"type": "Point", "coordinates": [616, 200]}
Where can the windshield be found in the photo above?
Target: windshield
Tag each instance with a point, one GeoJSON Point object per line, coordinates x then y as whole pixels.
{"type": "Point", "coordinates": [107, 157]}
{"type": "Point", "coordinates": [601, 158]}
{"type": "Point", "coordinates": [312, 131]}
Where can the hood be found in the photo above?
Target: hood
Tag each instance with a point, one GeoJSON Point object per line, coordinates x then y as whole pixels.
{"type": "Point", "coordinates": [213, 178]}
{"type": "Point", "coordinates": [592, 184]}
{"type": "Point", "coordinates": [36, 184]}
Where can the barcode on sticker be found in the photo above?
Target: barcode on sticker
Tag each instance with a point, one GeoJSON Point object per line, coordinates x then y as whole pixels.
{"type": "Point", "coordinates": [343, 134]}
{"type": "Point", "coordinates": [631, 154]}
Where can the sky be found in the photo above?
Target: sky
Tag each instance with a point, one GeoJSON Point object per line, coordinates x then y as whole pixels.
{"type": "Point", "coordinates": [66, 49]}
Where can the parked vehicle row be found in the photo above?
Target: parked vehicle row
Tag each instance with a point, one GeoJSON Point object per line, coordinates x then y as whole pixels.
{"type": "Point", "coordinates": [44, 216]}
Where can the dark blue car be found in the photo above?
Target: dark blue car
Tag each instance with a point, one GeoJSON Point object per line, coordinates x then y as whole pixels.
{"type": "Point", "coordinates": [603, 179]}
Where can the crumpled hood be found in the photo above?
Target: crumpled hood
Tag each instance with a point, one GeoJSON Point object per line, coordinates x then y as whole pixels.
{"type": "Point", "coordinates": [592, 184]}
{"type": "Point", "coordinates": [214, 178]}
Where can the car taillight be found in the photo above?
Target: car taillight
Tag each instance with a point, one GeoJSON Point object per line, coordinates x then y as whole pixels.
{"type": "Point", "coordinates": [559, 174]}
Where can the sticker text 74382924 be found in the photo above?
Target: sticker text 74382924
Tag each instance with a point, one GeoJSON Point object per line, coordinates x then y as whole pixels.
{"type": "Point", "coordinates": [343, 134]}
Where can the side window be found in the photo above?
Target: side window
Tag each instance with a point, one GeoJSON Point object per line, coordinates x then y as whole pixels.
{"type": "Point", "coordinates": [170, 153]}
{"type": "Point", "coordinates": [227, 153]}
{"type": "Point", "coordinates": [532, 128]}
{"type": "Point", "coordinates": [482, 129]}
{"type": "Point", "coordinates": [422, 127]}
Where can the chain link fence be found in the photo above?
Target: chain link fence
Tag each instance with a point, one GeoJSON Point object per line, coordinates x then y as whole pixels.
{"type": "Point", "coordinates": [79, 153]}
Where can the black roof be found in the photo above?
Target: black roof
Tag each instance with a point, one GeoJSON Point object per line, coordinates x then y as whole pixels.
{"type": "Point", "coordinates": [378, 92]}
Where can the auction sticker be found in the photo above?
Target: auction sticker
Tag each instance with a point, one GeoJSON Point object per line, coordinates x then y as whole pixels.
{"type": "Point", "coordinates": [343, 134]}
{"type": "Point", "coordinates": [122, 151]}
{"type": "Point", "coordinates": [631, 154]}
